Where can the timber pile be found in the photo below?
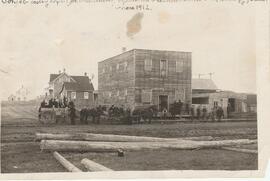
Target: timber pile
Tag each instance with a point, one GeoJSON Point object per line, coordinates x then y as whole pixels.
{"type": "Point", "coordinates": [87, 142]}
{"type": "Point", "coordinates": [113, 138]}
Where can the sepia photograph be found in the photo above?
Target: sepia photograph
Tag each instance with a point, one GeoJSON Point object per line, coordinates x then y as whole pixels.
{"type": "Point", "coordinates": [95, 88]}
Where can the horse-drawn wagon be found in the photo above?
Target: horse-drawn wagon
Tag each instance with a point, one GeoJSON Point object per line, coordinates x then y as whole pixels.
{"type": "Point", "coordinates": [53, 115]}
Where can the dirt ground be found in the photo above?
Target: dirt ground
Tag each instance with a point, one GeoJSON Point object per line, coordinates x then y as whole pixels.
{"type": "Point", "coordinates": [20, 154]}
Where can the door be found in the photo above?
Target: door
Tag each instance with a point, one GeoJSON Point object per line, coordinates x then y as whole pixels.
{"type": "Point", "coordinates": [231, 104]}
{"type": "Point", "coordinates": [163, 102]}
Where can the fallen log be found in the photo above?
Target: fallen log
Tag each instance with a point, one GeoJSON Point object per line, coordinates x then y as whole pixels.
{"type": "Point", "coordinates": [93, 166]}
{"type": "Point", "coordinates": [65, 163]}
{"type": "Point", "coordinates": [60, 145]}
{"type": "Point", "coordinates": [113, 138]}
{"type": "Point", "coordinates": [240, 150]}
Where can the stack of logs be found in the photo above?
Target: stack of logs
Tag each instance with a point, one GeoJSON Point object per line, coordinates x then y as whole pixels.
{"type": "Point", "coordinates": [88, 142]}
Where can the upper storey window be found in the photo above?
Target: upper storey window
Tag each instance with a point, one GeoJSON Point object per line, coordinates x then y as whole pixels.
{"type": "Point", "coordinates": [163, 67]}
{"type": "Point", "coordinates": [148, 64]}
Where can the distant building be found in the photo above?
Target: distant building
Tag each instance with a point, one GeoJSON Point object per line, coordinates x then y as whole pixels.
{"type": "Point", "coordinates": [203, 86]}
{"type": "Point", "coordinates": [22, 94]}
{"type": "Point", "coordinates": [12, 98]}
{"type": "Point", "coordinates": [79, 89]}
{"type": "Point", "coordinates": [145, 77]}
{"type": "Point", "coordinates": [205, 93]}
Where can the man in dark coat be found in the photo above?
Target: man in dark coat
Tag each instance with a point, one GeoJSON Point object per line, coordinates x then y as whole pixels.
{"type": "Point", "coordinates": [192, 112]}
{"type": "Point", "coordinates": [198, 112]}
{"type": "Point", "coordinates": [187, 108]}
{"type": "Point", "coordinates": [72, 112]}
{"type": "Point", "coordinates": [220, 113]}
{"type": "Point", "coordinates": [204, 110]}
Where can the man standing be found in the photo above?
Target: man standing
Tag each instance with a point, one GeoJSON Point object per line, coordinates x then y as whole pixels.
{"type": "Point", "coordinates": [219, 113]}
{"type": "Point", "coordinates": [204, 113]}
{"type": "Point", "coordinates": [72, 112]}
{"type": "Point", "coordinates": [198, 112]}
{"type": "Point", "coordinates": [212, 114]}
{"type": "Point", "coordinates": [192, 112]}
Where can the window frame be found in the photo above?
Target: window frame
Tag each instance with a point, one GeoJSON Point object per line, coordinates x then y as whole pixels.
{"type": "Point", "coordinates": [148, 67]}
{"type": "Point", "coordinates": [166, 67]}
{"type": "Point", "coordinates": [181, 64]}
{"type": "Point", "coordinates": [150, 95]}
{"type": "Point", "coordinates": [84, 95]}
{"type": "Point", "coordinates": [74, 95]}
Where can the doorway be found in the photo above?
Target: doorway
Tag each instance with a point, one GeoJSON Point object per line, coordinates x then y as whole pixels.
{"type": "Point", "coordinates": [232, 104]}
{"type": "Point", "coordinates": [163, 102]}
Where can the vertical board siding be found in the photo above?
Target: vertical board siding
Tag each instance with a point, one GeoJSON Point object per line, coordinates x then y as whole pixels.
{"type": "Point", "coordinates": [136, 79]}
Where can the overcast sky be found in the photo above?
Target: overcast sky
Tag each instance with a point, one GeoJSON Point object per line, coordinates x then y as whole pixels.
{"type": "Point", "coordinates": [40, 41]}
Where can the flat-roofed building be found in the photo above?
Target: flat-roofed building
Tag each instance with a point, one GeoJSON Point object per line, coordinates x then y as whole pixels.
{"type": "Point", "coordinates": [141, 77]}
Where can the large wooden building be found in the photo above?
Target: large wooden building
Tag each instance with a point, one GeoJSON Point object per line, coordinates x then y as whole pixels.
{"type": "Point", "coordinates": [145, 77]}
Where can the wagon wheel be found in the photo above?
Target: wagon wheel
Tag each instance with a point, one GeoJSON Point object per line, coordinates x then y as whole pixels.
{"type": "Point", "coordinates": [47, 117]}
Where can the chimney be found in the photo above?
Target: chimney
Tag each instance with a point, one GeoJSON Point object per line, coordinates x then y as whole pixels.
{"type": "Point", "coordinates": [85, 74]}
{"type": "Point", "coordinates": [64, 70]}
{"type": "Point", "coordinates": [124, 49]}
{"type": "Point", "coordinates": [59, 71]}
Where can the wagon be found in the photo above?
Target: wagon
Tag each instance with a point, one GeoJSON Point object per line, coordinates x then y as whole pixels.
{"type": "Point", "coordinates": [53, 115]}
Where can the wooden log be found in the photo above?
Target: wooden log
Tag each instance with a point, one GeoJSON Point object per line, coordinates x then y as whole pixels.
{"type": "Point", "coordinates": [93, 166]}
{"type": "Point", "coordinates": [240, 150]}
{"type": "Point", "coordinates": [65, 163]}
{"type": "Point", "coordinates": [113, 138]}
{"type": "Point", "coordinates": [60, 145]}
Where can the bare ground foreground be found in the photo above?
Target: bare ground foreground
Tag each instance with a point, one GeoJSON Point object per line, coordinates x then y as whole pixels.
{"type": "Point", "coordinates": [20, 154]}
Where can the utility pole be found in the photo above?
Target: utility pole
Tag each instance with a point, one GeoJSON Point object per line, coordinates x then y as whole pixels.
{"type": "Point", "coordinates": [210, 74]}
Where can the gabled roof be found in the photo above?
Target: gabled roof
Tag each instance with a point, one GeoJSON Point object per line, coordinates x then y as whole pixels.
{"type": "Point", "coordinates": [53, 77]}
{"type": "Point", "coordinates": [203, 84]}
{"type": "Point", "coordinates": [79, 83]}
{"type": "Point", "coordinates": [82, 84]}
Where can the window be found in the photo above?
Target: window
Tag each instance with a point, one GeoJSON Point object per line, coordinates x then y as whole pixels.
{"type": "Point", "coordinates": [180, 95]}
{"type": "Point", "coordinates": [122, 66]}
{"type": "Point", "coordinates": [179, 66]}
{"type": "Point", "coordinates": [125, 65]}
{"type": "Point", "coordinates": [103, 70]}
{"type": "Point", "coordinates": [73, 95]}
{"type": "Point", "coordinates": [126, 92]}
{"type": "Point", "coordinates": [86, 95]}
{"type": "Point", "coordinates": [146, 96]}
{"type": "Point", "coordinates": [163, 67]}
{"type": "Point", "coordinates": [138, 96]}
{"type": "Point", "coordinates": [148, 64]}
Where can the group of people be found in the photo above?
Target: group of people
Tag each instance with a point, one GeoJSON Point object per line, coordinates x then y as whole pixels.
{"type": "Point", "coordinates": [54, 102]}
{"type": "Point", "coordinates": [128, 115]}
{"type": "Point", "coordinates": [202, 113]}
